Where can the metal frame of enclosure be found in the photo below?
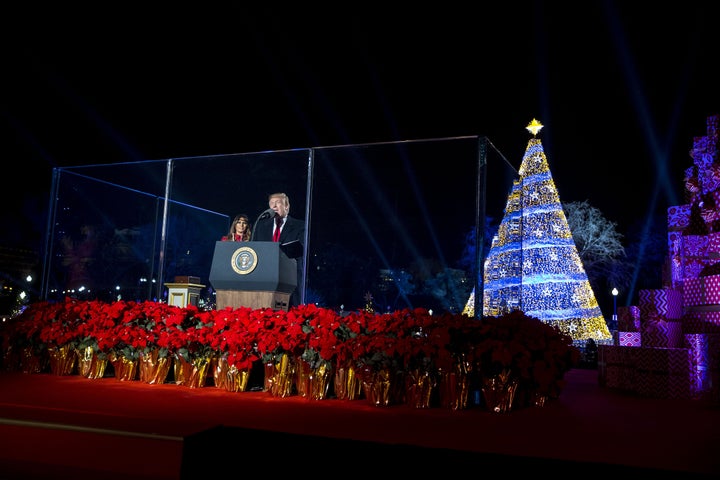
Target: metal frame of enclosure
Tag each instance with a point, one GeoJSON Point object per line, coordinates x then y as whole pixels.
{"type": "Point", "coordinates": [397, 224]}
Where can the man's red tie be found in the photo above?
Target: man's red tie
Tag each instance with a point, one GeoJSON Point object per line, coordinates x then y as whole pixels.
{"type": "Point", "coordinates": [278, 225]}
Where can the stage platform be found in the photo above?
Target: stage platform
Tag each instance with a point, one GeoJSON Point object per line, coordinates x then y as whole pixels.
{"type": "Point", "coordinates": [64, 426]}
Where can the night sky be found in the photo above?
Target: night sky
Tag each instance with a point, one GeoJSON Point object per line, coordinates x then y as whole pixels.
{"type": "Point", "coordinates": [621, 89]}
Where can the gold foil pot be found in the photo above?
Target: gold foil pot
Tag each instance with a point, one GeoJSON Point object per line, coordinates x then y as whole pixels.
{"type": "Point", "coordinates": [153, 368]}
{"type": "Point", "coordinates": [191, 374]}
{"type": "Point", "coordinates": [499, 392]}
{"type": "Point", "coordinates": [312, 382]}
{"type": "Point", "coordinates": [378, 387]}
{"type": "Point", "coordinates": [62, 360]}
{"type": "Point", "coordinates": [220, 369]}
{"type": "Point", "coordinates": [419, 387]}
{"type": "Point", "coordinates": [125, 368]}
{"type": "Point", "coordinates": [346, 383]}
{"type": "Point", "coordinates": [31, 361]}
{"type": "Point", "coordinates": [90, 365]}
{"type": "Point", "coordinates": [283, 377]}
{"type": "Point", "coordinates": [454, 386]}
{"type": "Point", "coordinates": [236, 380]}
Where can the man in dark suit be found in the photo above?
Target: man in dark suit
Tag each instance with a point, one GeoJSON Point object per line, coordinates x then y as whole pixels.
{"type": "Point", "coordinates": [283, 228]}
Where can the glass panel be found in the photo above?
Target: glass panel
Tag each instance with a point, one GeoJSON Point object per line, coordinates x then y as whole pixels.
{"type": "Point", "coordinates": [391, 221]}
{"type": "Point", "coordinates": [102, 241]}
{"type": "Point", "coordinates": [391, 225]}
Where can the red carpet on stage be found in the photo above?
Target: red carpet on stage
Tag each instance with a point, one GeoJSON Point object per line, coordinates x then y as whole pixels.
{"type": "Point", "coordinates": [64, 426]}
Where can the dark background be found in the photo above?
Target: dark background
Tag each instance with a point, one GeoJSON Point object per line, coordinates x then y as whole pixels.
{"type": "Point", "coordinates": [622, 89]}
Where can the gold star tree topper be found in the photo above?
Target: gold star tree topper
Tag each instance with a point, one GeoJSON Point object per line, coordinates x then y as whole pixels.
{"type": "Point", "coordinates": [534, 127]}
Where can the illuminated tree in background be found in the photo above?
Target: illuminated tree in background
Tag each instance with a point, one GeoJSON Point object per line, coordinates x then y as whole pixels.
{"type": "Point", "coordinates": [533, 264]}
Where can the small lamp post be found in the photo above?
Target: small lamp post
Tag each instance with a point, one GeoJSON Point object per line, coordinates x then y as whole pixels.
{"type": "Point", "coordinates": [614, 317]}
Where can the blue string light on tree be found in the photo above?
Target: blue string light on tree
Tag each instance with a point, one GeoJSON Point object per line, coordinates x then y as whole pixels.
{"type": "Point", "coordinates": [533, 264]}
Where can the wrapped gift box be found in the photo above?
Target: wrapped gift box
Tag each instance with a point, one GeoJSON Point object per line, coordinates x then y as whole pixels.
{"type": "Point", "coordinates": [650, 372]}
{"type": "Point", "coordinates": [616, 368]}
{"type": "Point", "coordinates": [694, 245]}
{"type": "Point", "coordinates": [701, 322]}
{"type": "Point", "coordinates": [675, 252]}
{"type": "Point", "coordinates": [678, 217]}
{"type": "Point", "coordinates": [701, 291]}
{"type": "Point", "coordinates": [712, 289]}
{"type": "Point", "coordinates": [713, 248]}
{"type": "Point", "coordinates": [663, 385]}
{"type": "Point", "coordinates": [693, 266]}
{"type": "Point", "coordinates": [662, 372]}
{"type": "Point", "coordinates": [675, 243]}
{"type": "Point", "coordinates": [694, 291]}
{"type": "Point", "coordinates": [671, 360]}
{"type": "Point", "coordinates": [672, 272]}
{"type": "Point", "coordinates": [629, 318]}
{"type": "Point", "coordinates": [665, 303]}
{"type": "Point", "coordinates": [660, 333]}
{"type": "Point", "coordinates": [705, 364]}
{"type": "Point", "coordinates": [629, 339]}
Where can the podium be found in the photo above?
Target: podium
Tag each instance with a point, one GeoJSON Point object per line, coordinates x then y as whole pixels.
{"type": "Point", "coordinates": [252, 274]}
{"type": "Point", "coordinates": [184, 291]}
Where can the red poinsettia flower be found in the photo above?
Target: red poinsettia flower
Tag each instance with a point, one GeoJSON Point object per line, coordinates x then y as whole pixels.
{"type": "Point", "coordinates": [533, 352]}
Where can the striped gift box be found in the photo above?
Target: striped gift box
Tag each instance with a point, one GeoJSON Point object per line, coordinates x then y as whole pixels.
{"type": "Point", "coordinates": [662, 372]}
{"type": "Point", "coordinates": [665, 303]}
{"type": "Point", "coordinates": [659, 333]}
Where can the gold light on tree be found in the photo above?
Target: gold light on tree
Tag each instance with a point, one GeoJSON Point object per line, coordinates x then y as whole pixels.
{"type": "Point", "coordinates": [533, 264]}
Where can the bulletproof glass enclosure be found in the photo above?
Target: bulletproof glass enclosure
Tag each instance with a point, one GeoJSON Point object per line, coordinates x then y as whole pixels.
{"type": "Point", "coordinates": [389, 225]}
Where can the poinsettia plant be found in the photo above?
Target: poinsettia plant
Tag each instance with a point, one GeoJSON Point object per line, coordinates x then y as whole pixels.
{"type": "Point", "coordinates": [272, 339]}
{"type": "Point", "coordinates": [534, 352]}
{"type": "Point", "coordinates": [25, 330]}
{"type": "Point", "coordinates": [189, 333]}
{"type": "Point", "coordinates": [376, 348]}
{"type": "Point", "coordinates": [234, 336]}
{"type": "Point", "coordinates": [75, 324]}
{"type": "Point", "coordinates": [537, 354]}
{"type": "Point", "coordinates": [320, 324]}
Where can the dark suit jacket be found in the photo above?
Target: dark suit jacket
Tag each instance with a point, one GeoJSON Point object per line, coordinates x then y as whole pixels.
{"type": "Point", "coordinates": [294, 229]}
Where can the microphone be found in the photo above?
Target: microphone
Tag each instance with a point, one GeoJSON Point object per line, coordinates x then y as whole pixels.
{"type": "Point", "coordinates": [267, 213]}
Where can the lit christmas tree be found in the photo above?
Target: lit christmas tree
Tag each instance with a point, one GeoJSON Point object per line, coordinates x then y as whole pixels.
{"type": "Point", "coordinates": [533, 264]}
